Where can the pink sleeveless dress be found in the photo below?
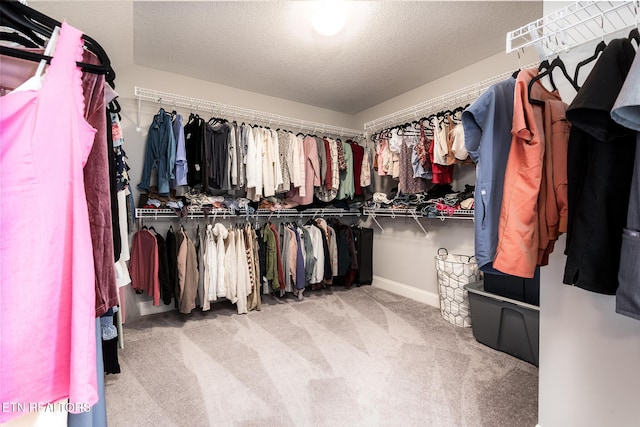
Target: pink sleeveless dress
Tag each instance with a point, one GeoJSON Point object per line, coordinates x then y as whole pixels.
{"type": "Point", "coordinates": [47, 295]}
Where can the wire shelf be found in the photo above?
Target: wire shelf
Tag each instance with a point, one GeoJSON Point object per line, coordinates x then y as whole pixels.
{"type": "Point", "coordinates": [197, 213]}
{"type": "Point", "coordinates": [457, 98]}
{"type": "Point", "coordinates": [578, 23]}
{"type": "Point", "coordinates": [257, 117]}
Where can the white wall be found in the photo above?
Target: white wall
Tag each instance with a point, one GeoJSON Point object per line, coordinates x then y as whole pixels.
{"type": "Point", "coordinates": [589, 355]}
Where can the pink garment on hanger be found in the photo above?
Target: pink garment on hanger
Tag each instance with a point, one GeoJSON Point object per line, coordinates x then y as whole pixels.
{"type": "Point", "coordinates": [47, 297]}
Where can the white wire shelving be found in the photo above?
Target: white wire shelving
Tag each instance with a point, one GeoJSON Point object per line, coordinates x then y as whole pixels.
{"type": "Point", "coordinates": [213, 214]}
{"type": "Point", "coordinates": [457, 98]}
{"type": "Point", "coordinates": [414, 214]}
{"type": "Point", "coordinates": [576, 24]}
{"type": "Point", "coordinates": [232, 112]}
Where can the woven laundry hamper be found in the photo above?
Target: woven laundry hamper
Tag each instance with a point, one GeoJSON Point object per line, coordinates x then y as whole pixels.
{"type": "Point", "coordinates": [453, 272]}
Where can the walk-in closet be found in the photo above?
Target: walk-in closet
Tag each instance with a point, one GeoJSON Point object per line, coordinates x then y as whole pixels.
{"type": "Point", "coordinates": [319, 213]}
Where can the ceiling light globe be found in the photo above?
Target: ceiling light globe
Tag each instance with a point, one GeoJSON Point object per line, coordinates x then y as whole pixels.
{"type": "Point", "coordinates": [329, 17]}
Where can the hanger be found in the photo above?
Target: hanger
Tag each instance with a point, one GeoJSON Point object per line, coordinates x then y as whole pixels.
{"type": "Point", "coordinates": [37, 26]}
{"type": "Point", "coordinates": [635, 35]}
{"type": "Point", "coordinates": [544, 65]}
{"type": "Point", "coordinates": [557, 62]}
{"type": "Point", "coordinates": [599, 48]}
{"type": "Point", "coordinates": [16, 37]}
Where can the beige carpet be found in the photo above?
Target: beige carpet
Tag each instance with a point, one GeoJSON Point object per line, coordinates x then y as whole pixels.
{"type": "Point", "coordinates": [359, 357]}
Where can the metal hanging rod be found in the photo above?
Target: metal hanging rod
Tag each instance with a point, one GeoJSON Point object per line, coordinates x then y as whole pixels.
{"type": "Point", "coordinates": [254, 116]}
{"type": "Point", "coordinates": [457, 98]}
{"type": "Point", "coordinates": [197, 213]}
{"type": "Point", "coordinates": [578, 23]}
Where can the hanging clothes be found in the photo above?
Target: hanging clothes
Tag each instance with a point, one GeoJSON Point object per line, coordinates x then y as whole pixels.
{"type": "Point", "coordinates": [347, 185]}
{"type": "Point", "coordinates": [172, 261]}
{"type": "Point", "coordinates": [441, 172]}
{"type": "Point", "coordinates": [365, 174]}
{"type": "Point", "coordinates": [407, 183]}
{"type": "Point", "coordinates": [316, 277]}
{"type": "Point", "coordinates": [487, 130]}
{"type": "Point", "coordinates": [243, 285]}
{"type": "Point", "coordinates": [518, 230]}
{"type": "Point", "coordinates": [626, 112]}
{"type": "Point", "coordinates": [166, 285]}
{"type": "Point", "coordinates": [358, 157]}
{"type": "Point", "coordinates": [217, 142]}
{"type": "Point", "coordinates": [456, 151]}
{"type": "Point", "coordinates": [271, 257]}
{"type": "Point", "coordinates": [101, 190]}
{"type": "Point", "coordinates": [255, 153]}
{"type": "Point", "coordinates": [221, 234]}
{"type": "Point", "coordinates": [285, 150]}
{"type": "Point", "coordinates": [65, 284]}
{"type": "Point", "coordinates": [252, 247]}
{"type": "Point", "coordinates": [312, 175]}
{"type": "Point", "coordinates": [194, 137]}
{"type": "Point", "coordinates": [279, 266]}
{"type": "Point", "coordinates": [181, 165]}
{"type": "Point", "coordinates": [300, 280]}
{"type": "Point", "coordinates": [553, 197]}
{"type": "Point", "coordinates": [159, 154]}
{"type": "Point", "coordinates": [187, 274]}
{"type": "Point", "coordinates": [600, 167]}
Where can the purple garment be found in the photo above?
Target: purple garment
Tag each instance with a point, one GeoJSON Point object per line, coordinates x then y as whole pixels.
{"type": "Point", "coordinates": [98, 190]}
{"type": "Point", "coordinates": [181, 167]}
{"type": "Point", "coordinates": [300, 272]}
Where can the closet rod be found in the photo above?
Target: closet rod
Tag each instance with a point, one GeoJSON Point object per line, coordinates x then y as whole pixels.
{"type": "Point", "coordinates": [197, 213]}
{"type": "Point", "coordinates": [571, 26]}
{"type": "Point", "coordinates": [233, 112]}
{"type": "Point", "coordinates": [457, 98]}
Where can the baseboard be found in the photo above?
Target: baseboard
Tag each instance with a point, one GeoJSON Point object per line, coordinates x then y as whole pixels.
{"type": "Point", "coordinates": [416, 294]}
{"type": "Point", "coordinates": [146, 308]}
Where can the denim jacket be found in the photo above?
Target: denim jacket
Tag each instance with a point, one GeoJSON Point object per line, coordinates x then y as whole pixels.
{"type": "Point", "coordinates": [160, 153]}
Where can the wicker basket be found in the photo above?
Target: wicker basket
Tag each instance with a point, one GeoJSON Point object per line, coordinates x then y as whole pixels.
{"type": "Point", "coordinates": [453, 272]}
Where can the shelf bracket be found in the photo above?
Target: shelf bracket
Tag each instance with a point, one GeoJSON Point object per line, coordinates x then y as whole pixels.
{"type": "Point", "coordinates": [373, 217]}
{"type": "Point", "coordinates": [416, 217]}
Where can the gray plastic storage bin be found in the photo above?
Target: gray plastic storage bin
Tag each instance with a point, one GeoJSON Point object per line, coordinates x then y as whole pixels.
{"type": "Point", "coordinates": [504, 324]}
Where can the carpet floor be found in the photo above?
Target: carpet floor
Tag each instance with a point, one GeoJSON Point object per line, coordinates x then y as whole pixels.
{"type": "Point", "coordinates": [359, 357]}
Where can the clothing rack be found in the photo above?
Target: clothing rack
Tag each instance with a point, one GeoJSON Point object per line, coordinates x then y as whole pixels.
{"type": "Point", "coordinates": [257, 117]}
{"type": "Point", "coordinates": [198, 213]}
{"type": "Point", "coordinates": [453, 99]}
{"type": "Point", "coordinates": [578, 23]}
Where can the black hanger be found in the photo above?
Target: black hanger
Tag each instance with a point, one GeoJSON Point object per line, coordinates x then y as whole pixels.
{"type": "Point", "coordinates": [114, 107]}
{"type": "Point", "coordinates": [557, 62]}
{"type": "Point", "coordinates": [16, 37]}
{"type": "Point", "coordinates": [37, 26]}
{"type": "Point", "coordinates": [544, 65]}
{"type": "Point", "coordinates": [635, 35]}
{"type": "Point", "coordinates": [599, 48]}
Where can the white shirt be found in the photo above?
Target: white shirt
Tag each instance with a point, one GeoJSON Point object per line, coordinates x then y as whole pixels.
{"type": "Point", "coordinates": [315, 235]}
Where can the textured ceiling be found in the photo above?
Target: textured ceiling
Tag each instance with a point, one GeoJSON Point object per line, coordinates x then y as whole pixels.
{"type": "Point", "coordinates": [269, 47]}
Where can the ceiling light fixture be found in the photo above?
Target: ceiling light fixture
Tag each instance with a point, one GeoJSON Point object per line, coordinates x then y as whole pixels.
{"type": "Point", "coordinates": [329, 17]}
